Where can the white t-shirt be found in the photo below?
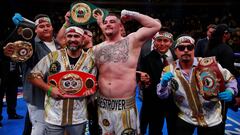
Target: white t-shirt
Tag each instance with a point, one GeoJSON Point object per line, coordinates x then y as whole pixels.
{"type": "Point", "coordinates": [51, 45]}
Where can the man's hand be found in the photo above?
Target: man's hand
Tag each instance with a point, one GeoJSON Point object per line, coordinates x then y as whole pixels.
{"type": "Point", "coordinates": [8, 50]}
{"type": "Point", "coordinates": [17, 18]}
{"type": "Point", "coordinates": [166, 78]}
{"type": "Point", "coordinates": [98, 16]}
{"type": "Point", "coordinates": [162, 93]}
{"type": "Point", "coordinates": [226, 95]}
{"type": "Point", "coordinates": [99, 19]}
{"type": "Point", "coordinates": [127, 15]}
{"type": "Point", "coordinates": [56, 94]}
{"type": "Point", "coordinates": [66, 17]}
{"type": "Point", "coordinates": [144, 78]}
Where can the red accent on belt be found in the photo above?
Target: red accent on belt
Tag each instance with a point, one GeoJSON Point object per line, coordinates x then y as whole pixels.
{"type": "Point", "coordinates": [74, 83]}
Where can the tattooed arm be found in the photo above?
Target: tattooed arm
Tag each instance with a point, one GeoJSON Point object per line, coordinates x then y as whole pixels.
{"type": "Point", "coordinates": [150, 26]}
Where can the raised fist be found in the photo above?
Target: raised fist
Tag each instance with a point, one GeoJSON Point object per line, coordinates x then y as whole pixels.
{"type": "Point", "coordinates": [17, 18]}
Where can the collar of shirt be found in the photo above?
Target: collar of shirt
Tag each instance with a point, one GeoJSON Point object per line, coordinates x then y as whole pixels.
{"type": "Point", "coordinates": [187, 76]}
{"type": "Point", "coordinates": [152, 44]}
{"type": "Point", "coordinates": [169, 55]}
{"type": "Point", "coordinates": [195, 63]}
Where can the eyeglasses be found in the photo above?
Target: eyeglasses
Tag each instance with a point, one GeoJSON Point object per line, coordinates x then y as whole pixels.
{"type": "Point", "coordinates": [182, 47]}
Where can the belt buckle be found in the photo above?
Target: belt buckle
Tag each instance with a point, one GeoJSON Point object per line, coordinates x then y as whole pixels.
{"type": "Point", "coordinates": [74, 83]}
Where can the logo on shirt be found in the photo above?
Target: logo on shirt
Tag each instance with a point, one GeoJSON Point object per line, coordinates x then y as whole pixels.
{"type": "Point", "coordinates": [55, 67]}
{"type": "Point", "coordinates": [106, 122]}
{"type": "Point", "coordinates": [174, 84]}
{"type": "Point", "coordinates": [128, 131]}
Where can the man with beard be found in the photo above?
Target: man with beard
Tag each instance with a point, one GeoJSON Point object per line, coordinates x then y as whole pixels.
{"type": "Point", "coordinates": [87, 43]}
{"type": "Point", "coordinates": [116, 59]}
{"type": "Point", "coordinates": [63, 113]}
{"type": "Point", "coordinates": [88, 35]}
{"type": "Point", "coordinates": [197, 85]}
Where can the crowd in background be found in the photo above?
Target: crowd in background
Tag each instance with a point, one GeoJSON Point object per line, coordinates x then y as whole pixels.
{"type": "Point", "coordinates": [192, 20]}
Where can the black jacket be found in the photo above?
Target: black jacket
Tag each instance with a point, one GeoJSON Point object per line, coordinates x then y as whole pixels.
{"type": "Point", "coordinates": [153, 65]}
{"type": "Point", "coordinates": [225, 56]}
{"type": "Point", "coordinates": [201, 47]}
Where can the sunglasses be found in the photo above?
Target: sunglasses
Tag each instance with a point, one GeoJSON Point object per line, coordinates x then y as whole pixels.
{"type": "Point", "coordinates": [183, 47]}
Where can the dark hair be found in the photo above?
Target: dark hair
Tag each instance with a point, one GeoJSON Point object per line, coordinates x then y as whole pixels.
{"type": "Point", "coordinates": [114, 14]}
{"type": "Point", "coordinates": [217, 36]}
{"type": "Point", "coordinates": [211, 26]}
{"type": "Point", "coordinates": [165, 29]}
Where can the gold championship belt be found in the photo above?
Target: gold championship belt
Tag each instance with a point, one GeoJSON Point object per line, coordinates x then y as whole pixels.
{"type": "Point", "coordinates": [22, 50]}
{"type": "Point", "coordinates": [74, 83]}
{"type": "Point", "coordinates": [83, 13]}
{"type": "Point", "coordinates": [209, 78]}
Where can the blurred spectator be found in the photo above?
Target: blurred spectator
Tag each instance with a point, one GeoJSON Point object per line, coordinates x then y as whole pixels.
{"type": "Point", "coordinates": [219, 48]}
{"type": "Point", "coordinates": [202, 43]}
{"type": "Point", "coordinates": [10, 76]}
{"type": "Point", "coordinates": [235, 40]}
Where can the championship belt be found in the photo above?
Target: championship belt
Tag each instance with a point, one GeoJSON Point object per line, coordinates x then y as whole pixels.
{"type": "Point", "coordinates": [209, 78]}
{"type": "Point", "coordinates": [83, 13]}
{"type": "Point", "coordinates": [22, 50]}
{"type": "Point", "coordinates": [73, 83]}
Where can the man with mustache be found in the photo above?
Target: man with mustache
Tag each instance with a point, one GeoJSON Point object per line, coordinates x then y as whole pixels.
{"type": "Point", "coordinates": [116, 60]}
{"type": "Point", "coordinates": [197, 85]}
{"type": "Point", "coordinates": [64, 113]}
{"type": "Point", "coordinates": [87, 44]}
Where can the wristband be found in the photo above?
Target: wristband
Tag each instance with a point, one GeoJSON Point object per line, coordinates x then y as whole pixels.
{"type": "Point", "coordinates": [129, 13]}
{"type": "Point", "coordinates": [49, 91]}
{"type": "Point", "coordinates": [65, 25]}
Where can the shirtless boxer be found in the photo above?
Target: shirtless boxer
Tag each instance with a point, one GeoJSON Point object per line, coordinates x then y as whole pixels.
{"type": "Point", "coordinates": [116, 60]}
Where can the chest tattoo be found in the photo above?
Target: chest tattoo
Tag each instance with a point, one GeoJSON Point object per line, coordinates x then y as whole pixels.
{"type": "Point", "coordinates": [115, 53]}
